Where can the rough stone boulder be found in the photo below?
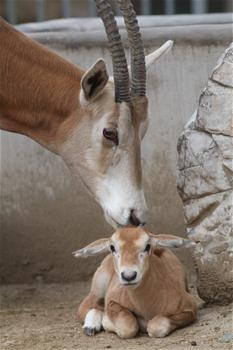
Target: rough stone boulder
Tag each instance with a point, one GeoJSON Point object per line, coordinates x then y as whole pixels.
{"type": "Point", "coordinates": [205, 182]}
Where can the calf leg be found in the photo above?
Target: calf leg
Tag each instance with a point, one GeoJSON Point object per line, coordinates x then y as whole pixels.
{"type": "Point", "coordinates": [160, 326]}
{"type": "Point", "coordinates": [120, 320]}
{"type": "Point", "coordinates": [90, 313]}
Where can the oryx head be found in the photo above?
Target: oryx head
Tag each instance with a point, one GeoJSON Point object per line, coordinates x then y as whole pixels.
{"type": "Point", "coordinates": [112, 121]}
{"type": "Point", "coordinates": [132, 249]}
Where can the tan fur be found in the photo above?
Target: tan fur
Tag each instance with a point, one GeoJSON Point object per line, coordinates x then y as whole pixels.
{"type": "Point", "coordinates": [38, 90]}
{"type": "Point", "coordinates": [160, 302]}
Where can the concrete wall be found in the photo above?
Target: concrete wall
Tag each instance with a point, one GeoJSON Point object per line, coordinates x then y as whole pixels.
{"type": "Point", "coordinates": [45, 213]}
{"type": "Point", "coordinates": [26, 10]}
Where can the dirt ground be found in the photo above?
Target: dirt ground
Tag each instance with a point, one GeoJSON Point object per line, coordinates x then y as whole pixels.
{"type": "Point", "coordinates": [42, 317]}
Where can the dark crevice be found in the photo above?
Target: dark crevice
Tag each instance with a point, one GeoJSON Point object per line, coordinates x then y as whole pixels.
{"type": "Point", "coordinates": [206, 212]}
{"type": "Point", "coordinates": [206, 195]}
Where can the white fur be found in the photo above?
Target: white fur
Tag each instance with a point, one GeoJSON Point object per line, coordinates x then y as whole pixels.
{"type": "Point", "coordinates": [161, 328]}
{"type": "Point", "coordinates": [117, 192]}
{"type": "Point", "coordinates": [107, 324]}
{"type": "Point", "coordinates": [82, 99]}
{"type": "Point", "coordinates": [141, 241]}
{"type": "Point", "coordinates": [93, 319]}
{"type": "Point", "coordinates": [117, 199]}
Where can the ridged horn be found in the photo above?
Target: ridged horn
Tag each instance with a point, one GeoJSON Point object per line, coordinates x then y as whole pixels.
{"type": "Point", "coordinates": [138, 67]}
{"type": "Point", "coordinates": [120, 69]}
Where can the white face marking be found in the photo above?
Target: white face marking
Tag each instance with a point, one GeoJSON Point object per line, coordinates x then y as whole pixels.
{"type": "Point", "coordinates": [112, 173]}
{"type": "Point", "coordinates": [142, 241]}
{"type": "Point", "coordinates": [118, 202]}
{"type": "Point", "coordinates": [93, 319]}
{"type": "Point", "coordinates": [118, 192]}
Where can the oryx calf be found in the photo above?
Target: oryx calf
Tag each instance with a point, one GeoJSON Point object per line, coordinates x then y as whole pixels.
{"type": "Point", "coordinates": [139, 286]}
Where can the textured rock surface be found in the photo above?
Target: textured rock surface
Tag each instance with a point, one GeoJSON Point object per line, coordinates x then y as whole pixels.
{"type": "Point", "coordinates": [205, 182]}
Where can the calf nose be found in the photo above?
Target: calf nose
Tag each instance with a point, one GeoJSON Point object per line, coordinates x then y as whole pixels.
{"type": "Point", "coordinates": [129, 276]}
{"type": "Point", "coordinates": [134, 220]}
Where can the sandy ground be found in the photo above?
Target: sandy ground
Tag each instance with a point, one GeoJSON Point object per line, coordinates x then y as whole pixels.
{"type": "Point", "coordinates": [43, 317]}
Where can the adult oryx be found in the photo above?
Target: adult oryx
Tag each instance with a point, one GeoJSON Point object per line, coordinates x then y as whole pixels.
{"type": "Point", "coordinates": [95, 123]}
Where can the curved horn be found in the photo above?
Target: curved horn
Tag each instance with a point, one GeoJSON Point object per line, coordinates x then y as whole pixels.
{"type": "Point", "coordinates": [138, 87]}
{"type": "Point", "coordinates": [120, 69]}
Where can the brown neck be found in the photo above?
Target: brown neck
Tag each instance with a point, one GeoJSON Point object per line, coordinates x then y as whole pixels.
{"type": "Point", "coordinates": [39, 90]}
{"type": "Point", "coordinates": [149, 285]}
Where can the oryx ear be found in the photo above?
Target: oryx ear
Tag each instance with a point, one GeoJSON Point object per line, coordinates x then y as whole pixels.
{"type": "Point", "coordinates": [93, 82]}
{"type": "Point", "coordinates": [95, 248]}
{"type": "Point", "coordinates": [170, 241]}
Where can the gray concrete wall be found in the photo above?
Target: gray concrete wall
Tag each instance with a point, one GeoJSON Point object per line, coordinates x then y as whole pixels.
{"type": "Point", "coordinates": [45, 213]}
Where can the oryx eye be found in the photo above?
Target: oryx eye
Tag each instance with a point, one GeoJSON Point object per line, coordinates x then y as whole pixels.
{"type": "Point", "coordinates": [147, 248]}
{"type": "Point", "coordinates": [112, 248]}
{"type": "Point", "coordinates": [111, 134]}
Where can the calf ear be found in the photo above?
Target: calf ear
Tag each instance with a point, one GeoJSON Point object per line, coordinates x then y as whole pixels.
{"type": "Point", "coordinates": [93, 82]}
{"type": "Point", "coordinates": [95, 248]}
{"type": "Point", "coordinates": [170, 241]}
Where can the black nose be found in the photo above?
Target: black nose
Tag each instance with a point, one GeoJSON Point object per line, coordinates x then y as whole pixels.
{"type": "Point", "coordinates": [134, 220]}
{"type": "Point", "coordinates": [129, 276]}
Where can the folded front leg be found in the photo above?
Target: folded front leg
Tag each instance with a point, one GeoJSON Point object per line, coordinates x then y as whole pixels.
{"type": "Point", "coordinates": [120, 320]}
{"type": "Point", "coordinates": [90, 314]}
{"type": "Point", "coordinates": [160, 326]}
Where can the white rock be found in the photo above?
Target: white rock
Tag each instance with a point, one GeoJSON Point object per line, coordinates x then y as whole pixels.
{"type": "Point", "coordinates": [201, 207]}
{"type": "Point", "coordinates": [215, 111]}
{"type": "Point", "coordinates": [223, 72]}
{"type": "Point", "coordinates": [205, 182]}
{"type": "Point", "coordinates": [225, 144]}
{"type": "Point", "coordinates": [201, 170]}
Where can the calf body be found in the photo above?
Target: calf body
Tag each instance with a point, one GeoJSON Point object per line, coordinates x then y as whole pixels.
{"type": "Point", "coordinates": [155, 301]}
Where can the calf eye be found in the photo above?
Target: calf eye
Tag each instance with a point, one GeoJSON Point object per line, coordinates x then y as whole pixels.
{"type": "Point", "coordinates": [147, 248]}
{"type": "Point", "coordinates": [111, 134]}
{"type": "Point", "coordinates": [112, 248]}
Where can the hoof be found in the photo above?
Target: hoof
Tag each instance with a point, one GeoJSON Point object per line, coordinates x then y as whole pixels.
{"type": "Point", "coordinates": [89, 331]}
